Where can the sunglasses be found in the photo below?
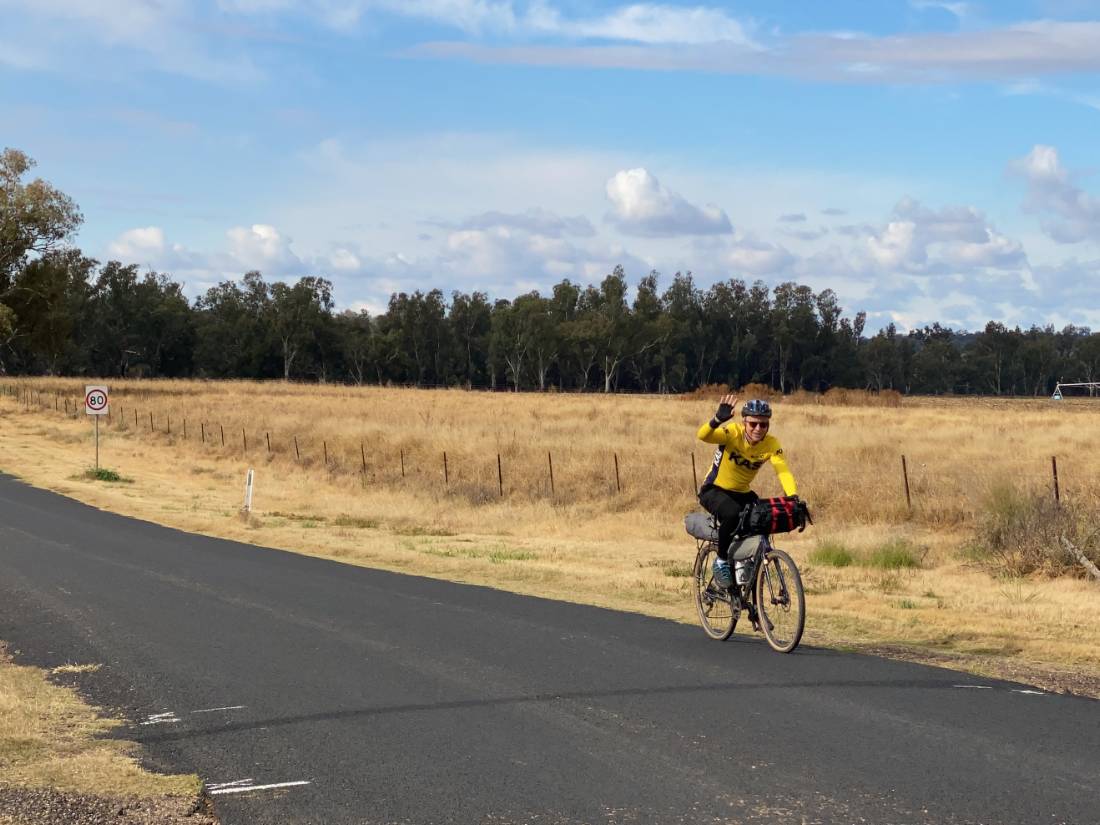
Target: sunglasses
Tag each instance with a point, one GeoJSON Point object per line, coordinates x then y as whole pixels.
{"type": "Point", "coordinates": [762, 425]}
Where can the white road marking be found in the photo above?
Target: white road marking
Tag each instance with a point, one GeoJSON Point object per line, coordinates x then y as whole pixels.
{"type": "Point", "coordinates": [1031, 692]}
{"type": "Point", "coordinates": [215, 710]}
{"type": "Point", "coordinates": [975, 687]}
{"type": "Point", "coordinates": [247, 788]}
{"type": "Point", "coordinates": [161, 718]}
{"type": "Point", "coordinates": [229, 784]}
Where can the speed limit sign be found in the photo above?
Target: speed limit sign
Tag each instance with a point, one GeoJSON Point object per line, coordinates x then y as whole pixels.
{"type": "Point", "coordinates": [95, 400]}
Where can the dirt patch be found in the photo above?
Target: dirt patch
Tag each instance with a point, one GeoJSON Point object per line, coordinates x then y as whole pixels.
{"type": "Point", "coordinates": [46, 806]}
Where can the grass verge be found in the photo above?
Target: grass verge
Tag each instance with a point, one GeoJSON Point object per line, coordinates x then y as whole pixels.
{"type": "Point", "coordinates": [51, 739]}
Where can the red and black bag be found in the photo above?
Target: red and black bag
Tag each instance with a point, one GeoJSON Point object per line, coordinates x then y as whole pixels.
{"type": "Point", "coordinates": [775, 515]}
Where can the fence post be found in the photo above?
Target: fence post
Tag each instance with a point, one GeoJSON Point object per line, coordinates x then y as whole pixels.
{"type": "Point", "coordinates": [363, 454]}
{"type": "Point", "coordinates": [185, 429]}
{"type": "Point", "coordinates": [268, 437]}
{"type": "Point", "coordinates": [1054, 469]}
{"type": "Point", "coordinates": [905, 476]}
{"type": "Point", "coordinates": [694, 474]}
{"type": "Point", "coordinates": [244, 439]}
{"type": "Point", "coordinates": [297, 455]}
{"type": "Point", "coordinates": [169, 417]}
{"type": "Point", "coordinates": [446, 474]}
{"type": "Point", "coordinates": [402, 463]}
{"type": "Point", "coordinates": [618, 486]}
{"type": "Point", "coordinates": [151, 427]}
{"type": "Point", "coordinates": [324, 447]}
{"type": "Point", "coordinates": [500, 477]}
{"type": "Point", "coordinates": [550, 462]}
{"type": "Point", "coordinates": [202, 430]}
{"type": "Point", "coordinates": [223, 434]}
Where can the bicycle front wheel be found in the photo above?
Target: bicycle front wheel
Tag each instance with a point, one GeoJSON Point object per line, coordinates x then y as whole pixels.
{"type": "Point", "coordinates": [780, 602]}
{"type": "Point", "coordinates": [715, 605]}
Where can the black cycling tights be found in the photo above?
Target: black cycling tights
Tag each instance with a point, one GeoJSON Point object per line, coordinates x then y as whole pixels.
{"type": "Point", "coordinates": [727, 506]}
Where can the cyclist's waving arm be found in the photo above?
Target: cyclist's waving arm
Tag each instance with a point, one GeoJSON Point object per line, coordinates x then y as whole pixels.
{"type": "Point", "coordinates": [786, 478]}
{"type": "Point", "coordinates": [716, 430]}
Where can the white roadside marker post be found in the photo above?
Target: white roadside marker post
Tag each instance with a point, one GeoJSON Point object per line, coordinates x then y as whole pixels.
{"type": "Point", "coordinates": [248, 479]}
{"type": "Point", "coordinates": [96, 403]}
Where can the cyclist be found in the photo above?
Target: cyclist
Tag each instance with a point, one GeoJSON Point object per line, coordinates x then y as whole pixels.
{"type": "Point", "coordinates": [742, 450]}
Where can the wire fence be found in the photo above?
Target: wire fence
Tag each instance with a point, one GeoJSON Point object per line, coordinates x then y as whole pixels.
{"type": "Point", "coordinates": [917, 487]}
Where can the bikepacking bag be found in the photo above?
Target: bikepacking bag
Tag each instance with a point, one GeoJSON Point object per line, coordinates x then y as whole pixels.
{"type": "Point", "coordinates": [775, 515]}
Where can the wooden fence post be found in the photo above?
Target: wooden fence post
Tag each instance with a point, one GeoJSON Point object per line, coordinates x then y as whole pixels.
{"type": "Point", "coordinates": [169, 418]}
{"type": "Point", "coordinates": [618, 486]}
{"type": "Point", "coordinates": [905, 477]}
{"type": "Point", "coordinates": [550, 463]}
{"type": "Point", "coordinates": [694, 474]}
{"type": "Point", "coordinates": [185, 429]}
{"type": "Point", "coordinates": [402, 463]}
{"type": "Point", "coordinates": [202, 429]}
{"type": "Point", "coordinates": [446, 474]}
{"type": "Point", "coordinates": [500, 477]}
{"type": "Point", "coordinates": [324, 446]}
{"type": "Point", "coordinates": [363, 454]}
{"type": "Point", "coordinates": [1054, 469]}
{"type": "Point", "coordinates": [244, 439]}
{"type": "Point", "coordinates": [297, 455]}
{"type": "Point", "coordinates": [223, 434]}
{"type": "Point", "coordinates": [268, 437]}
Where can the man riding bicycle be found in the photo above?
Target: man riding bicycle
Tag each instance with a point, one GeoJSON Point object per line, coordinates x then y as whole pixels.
{"type": "Point", "coordinates": [742, 450]}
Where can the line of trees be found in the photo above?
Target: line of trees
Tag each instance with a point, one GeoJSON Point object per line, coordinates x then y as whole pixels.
{"type": "Point", "coordinates": [62, 313]}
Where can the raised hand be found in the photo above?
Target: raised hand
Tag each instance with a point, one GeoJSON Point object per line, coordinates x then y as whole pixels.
{"type": "Point", "coordinates": [726, 406]}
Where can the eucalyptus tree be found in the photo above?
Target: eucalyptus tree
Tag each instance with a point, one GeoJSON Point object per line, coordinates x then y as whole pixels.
{"type": "Point", "coordinates": [35, 217]}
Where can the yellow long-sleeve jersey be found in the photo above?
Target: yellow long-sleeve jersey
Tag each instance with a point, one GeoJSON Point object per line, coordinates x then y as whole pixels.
{"type": "Point", "coordinates": [736, 461]}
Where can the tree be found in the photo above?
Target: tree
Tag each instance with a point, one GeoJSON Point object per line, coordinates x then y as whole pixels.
{"type": "Point", "coordinates": [470, 320]}
{"type": "Point", "coordinates": [298, 315]}
{"type": "Point", "coordinates": [34, 218]}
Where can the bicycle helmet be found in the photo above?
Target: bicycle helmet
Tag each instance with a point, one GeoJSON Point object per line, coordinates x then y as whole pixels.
{"type": "Point", "coordinates": [758, 407]}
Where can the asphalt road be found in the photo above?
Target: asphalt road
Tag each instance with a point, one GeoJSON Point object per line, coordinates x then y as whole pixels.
{"type": "Point", "coordinates": [401, 699]}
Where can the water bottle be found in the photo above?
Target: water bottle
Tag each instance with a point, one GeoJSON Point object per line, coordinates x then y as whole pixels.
{"type": "Point", "coordinates": [742, 570]}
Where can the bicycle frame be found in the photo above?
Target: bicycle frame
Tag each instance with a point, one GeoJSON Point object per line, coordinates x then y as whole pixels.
{"type": "Point", "coordinates": [743, 595]}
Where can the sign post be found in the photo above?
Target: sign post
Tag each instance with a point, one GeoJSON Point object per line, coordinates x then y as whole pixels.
{"type": "Point", "coordinates": [96, 403]}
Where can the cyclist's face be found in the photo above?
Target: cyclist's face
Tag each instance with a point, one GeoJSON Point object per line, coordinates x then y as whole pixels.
{"type": "Point", "coordinates": [755, 428]}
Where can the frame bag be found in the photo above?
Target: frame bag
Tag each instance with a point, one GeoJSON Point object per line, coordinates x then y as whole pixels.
{"type": "Point", "coordinates": [775, 515]}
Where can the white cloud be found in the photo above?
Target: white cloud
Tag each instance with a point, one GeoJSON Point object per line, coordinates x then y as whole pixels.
{"type": "Point", "coordinates": [1051, 192]}
{"type": "Point", "coordinates": [640, 205]}
{"type": "Point", "coordinates": [537, 220]}
{"type": "Point", "coordinates": [1025, 50]}
{"type": "Point", "coordinates": [756, 257]}
{"type": "Point", "coordinates": [262, 247]}
{"type": "Point", "coordinates": [167, 33]}
{"type": "Point", "coordinates": [142, 244]}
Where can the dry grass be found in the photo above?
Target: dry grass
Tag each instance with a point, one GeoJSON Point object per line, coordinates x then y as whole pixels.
{"type": "Point", "coordinates": [584, 541]}
{"type": "Point", "coordinates": [50, 738]}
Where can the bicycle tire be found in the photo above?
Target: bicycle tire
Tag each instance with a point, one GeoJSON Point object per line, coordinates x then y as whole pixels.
{"type": "Point", "coordinates": [780, 601]}
{"type": "Point", "coordinates": [716, 612]}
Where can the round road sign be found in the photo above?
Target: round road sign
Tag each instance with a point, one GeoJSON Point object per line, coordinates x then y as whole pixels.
{"type": "Point", "coordinates": [95, 399]}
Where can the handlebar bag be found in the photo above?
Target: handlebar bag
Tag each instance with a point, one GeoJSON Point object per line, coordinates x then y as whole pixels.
{"type": "Point", "coordinates": [781, 514]}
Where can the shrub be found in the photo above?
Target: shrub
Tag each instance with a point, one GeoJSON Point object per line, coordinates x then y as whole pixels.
{"type": "Point", "coordinates": [103, 474]}
{"type": "Point", "coordinates": [832, 554]}
{"type": "Point", "coordinates": [895, 554]}
{"type": "Point", "coordinates": [1020, 532]}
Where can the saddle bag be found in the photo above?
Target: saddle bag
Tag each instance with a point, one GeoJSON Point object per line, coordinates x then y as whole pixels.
{"type": "Point", "coordinates": [775, 515]}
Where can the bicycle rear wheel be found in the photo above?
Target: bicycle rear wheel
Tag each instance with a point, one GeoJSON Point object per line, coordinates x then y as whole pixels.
{"type": "Point", "coordinates": [716, 611]}
{"type": "Point", "coordinates": [780, 602]}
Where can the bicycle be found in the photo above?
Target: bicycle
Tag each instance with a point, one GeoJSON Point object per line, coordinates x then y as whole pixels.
{"type": "Point", "coordinates": [771, 592]}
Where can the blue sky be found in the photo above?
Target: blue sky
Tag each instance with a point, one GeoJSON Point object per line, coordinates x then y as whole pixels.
{"type": "Point", "coordinates": [928, 161]}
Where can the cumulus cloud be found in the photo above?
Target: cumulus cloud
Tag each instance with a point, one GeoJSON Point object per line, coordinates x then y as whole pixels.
{"type": "Point", "coordinates": [263, 247]}
{"type": "Point", "coordinates": [756, 257]}
{"type": "Point", "coordinates": [141, 244]}
{"type": "Point", "coordinates": [640, 205]}
{"type": "Point", "coordinates": [1070, 214]}
{"type": "Point", "coordinates": [926, 241]}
